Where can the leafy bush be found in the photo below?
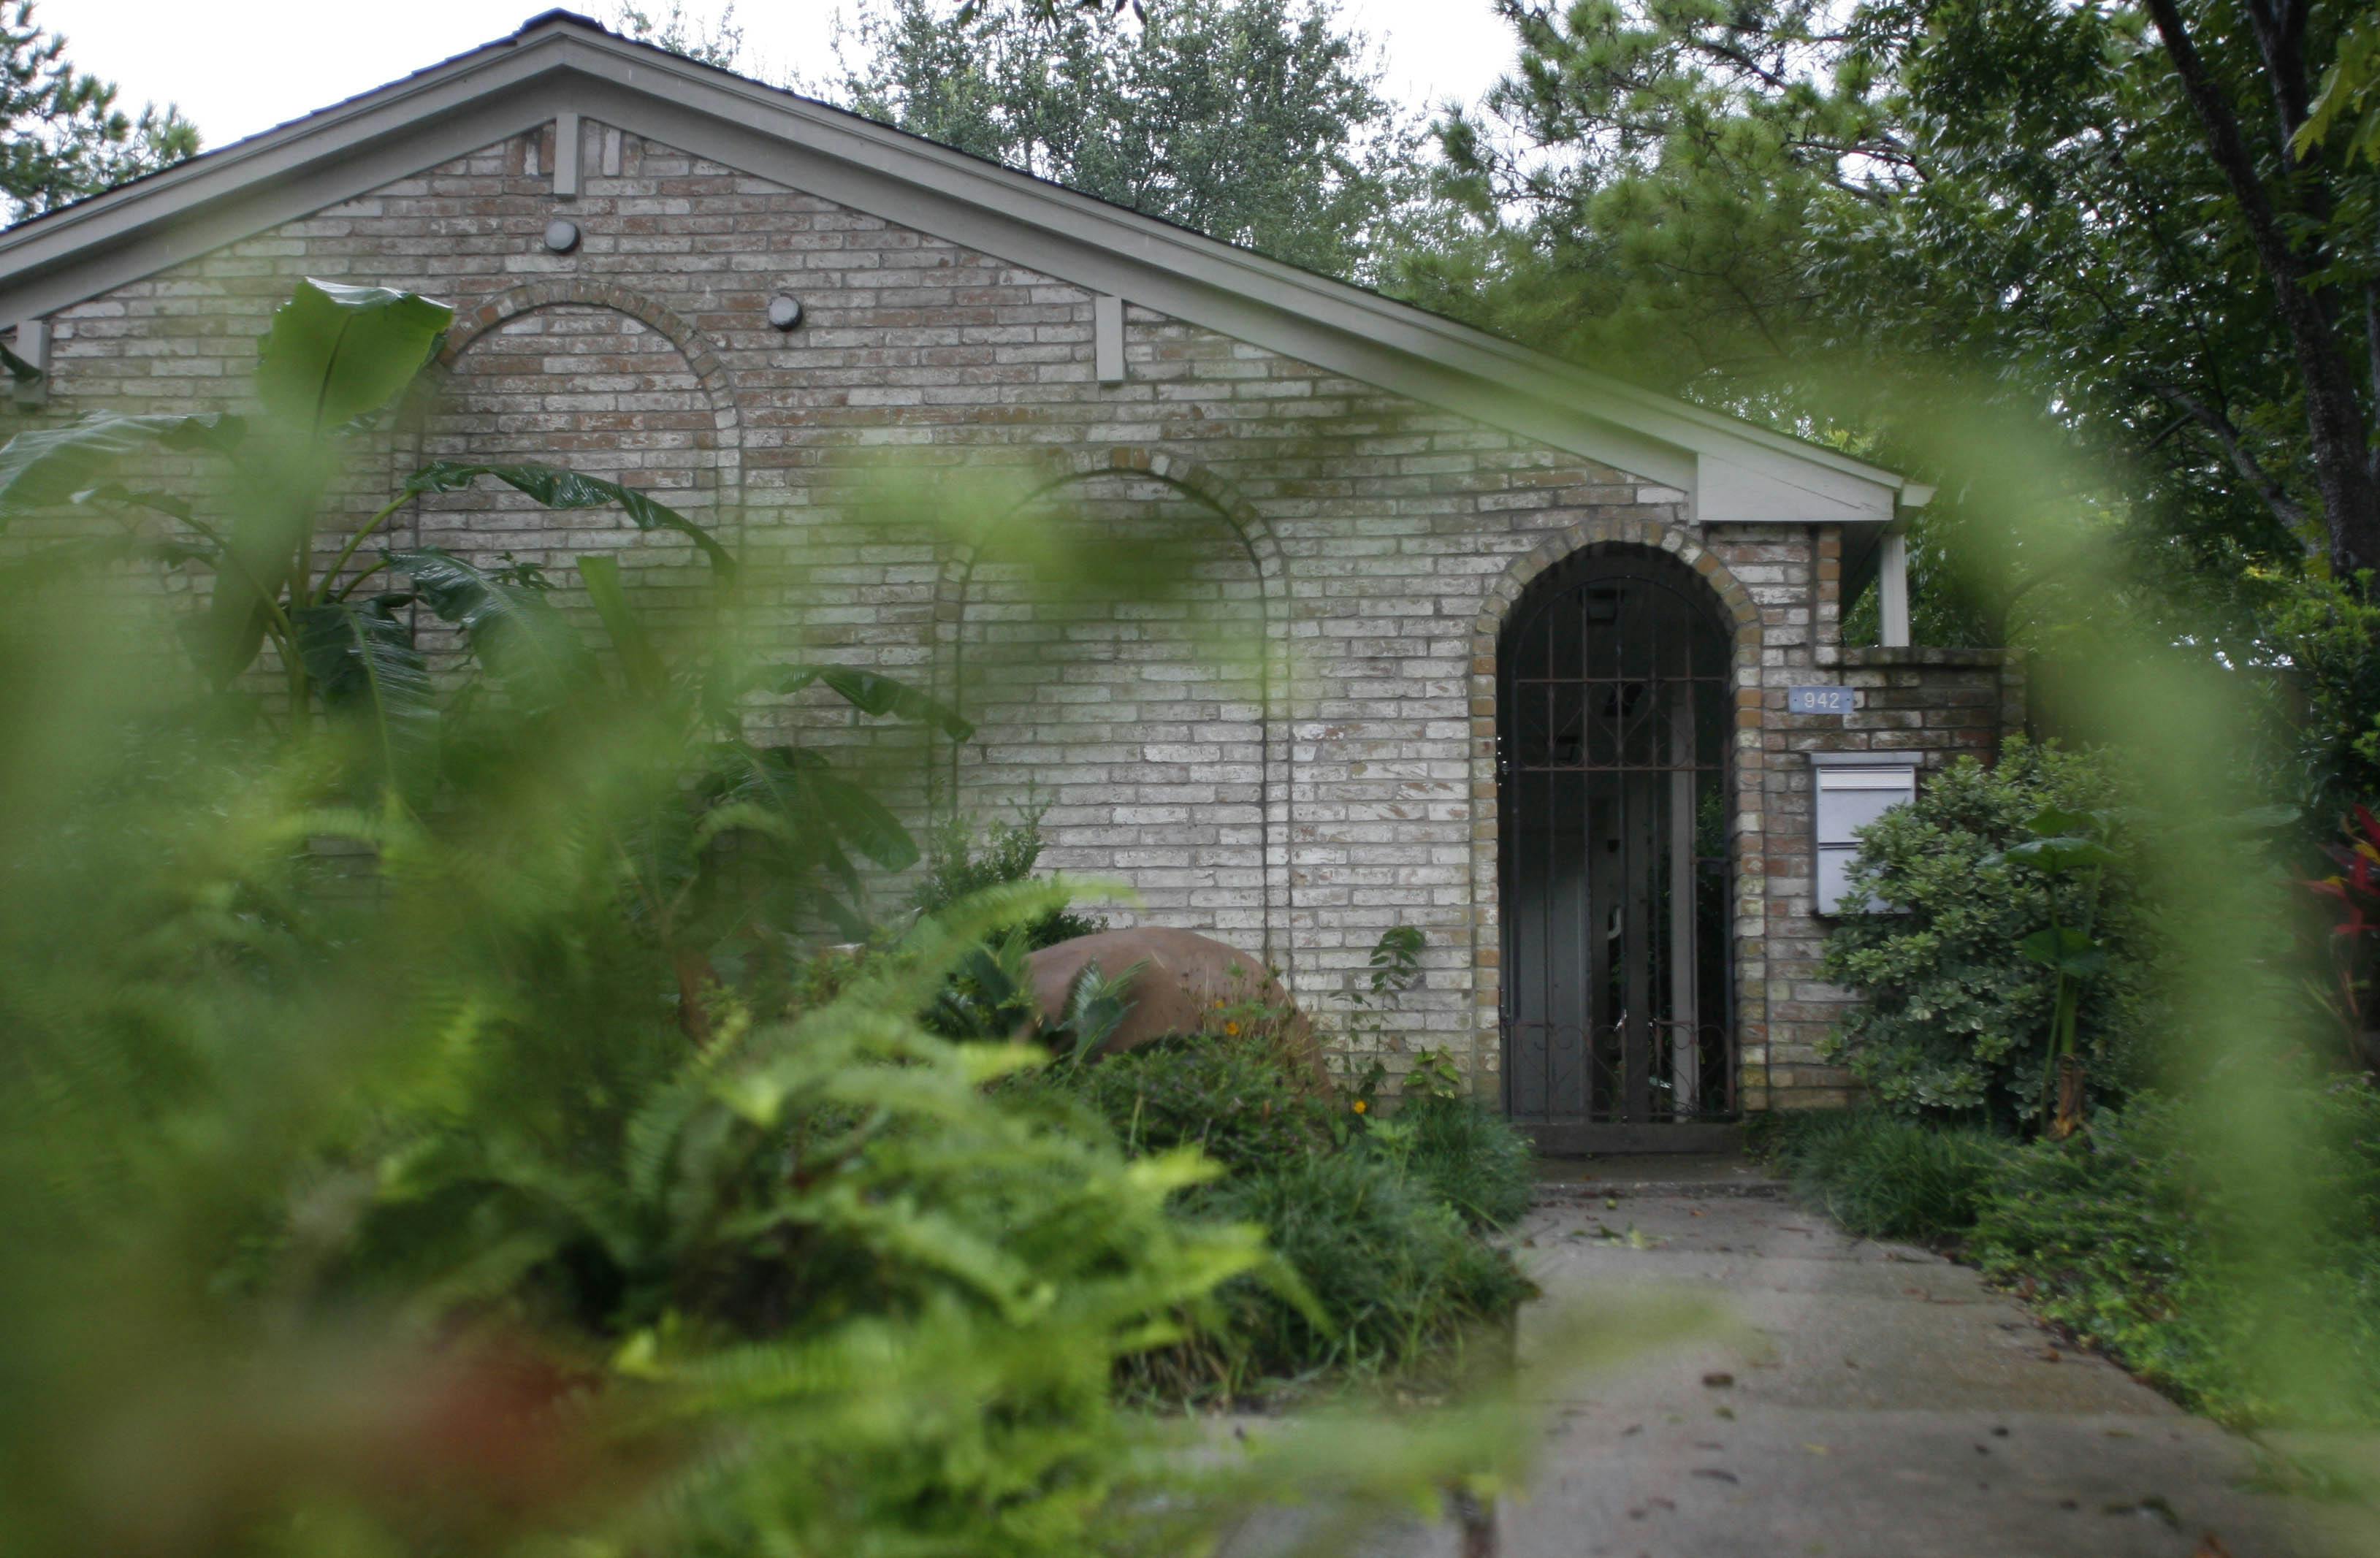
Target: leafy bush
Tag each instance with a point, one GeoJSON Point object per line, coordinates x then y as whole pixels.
{"type": "Point", "coordinates": [1377, 1222]}
{"type": "Point", "coordinates": [2128, 1235]}
{"type": "Point", "coordinates": [426, 1190]}
{"type": "Point", "coordinates": [2330, 630]}
{"type": "Point", "coordinates": [1954, 1020]}
{"type": "Point", "coordinates": [1884, 1178]}
{"type": "Point", "coordinates": [960, 864]}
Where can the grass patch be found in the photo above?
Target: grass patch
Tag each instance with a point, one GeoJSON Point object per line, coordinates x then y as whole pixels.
{"type": "Point", "coordinates": [1470, 1157]}
{"type": "Point", "coordinates": [1403, 1284]}
{"type": "Point", "coordinates": [1884, 1178]}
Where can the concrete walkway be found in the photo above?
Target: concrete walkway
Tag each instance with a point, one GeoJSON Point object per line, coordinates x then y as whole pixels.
{"type": "Point", "coordinates": [1875, 1402]}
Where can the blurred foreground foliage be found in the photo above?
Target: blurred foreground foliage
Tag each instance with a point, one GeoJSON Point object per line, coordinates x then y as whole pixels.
{"type": "Point", "coordinates": [391, 1208]}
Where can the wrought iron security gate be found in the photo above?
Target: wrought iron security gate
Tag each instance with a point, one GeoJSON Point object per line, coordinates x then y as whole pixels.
{"type": "Point", "coordinates": [1613, 719]}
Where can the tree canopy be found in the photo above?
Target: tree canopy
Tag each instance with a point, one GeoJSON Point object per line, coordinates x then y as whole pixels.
{"type": "Point", "coordinates": [2111, 217]}
{"type": "Point", "coordinates": [61, 134]}
{"type": "Point", "coordinates": [1260, 122]}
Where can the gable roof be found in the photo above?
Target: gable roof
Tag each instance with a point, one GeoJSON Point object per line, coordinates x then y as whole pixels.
{"type": "Point", "coordinates": [558, 63]}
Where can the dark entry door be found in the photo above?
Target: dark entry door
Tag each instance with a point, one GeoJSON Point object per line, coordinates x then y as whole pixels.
{"type": "Point", "coordinates": [1613, 721]}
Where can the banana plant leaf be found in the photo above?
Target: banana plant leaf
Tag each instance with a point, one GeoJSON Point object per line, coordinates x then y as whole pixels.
{"type": "Point", "coordinates": [558, 488]}
{"type": "Point", "coordinates": [271, 530]}
{"type": "Point", "coordinates": [84, 554]}
{"type": "Point", "coordinates": [46, 467]}
{"type": "Point", "coordinates": [766, 783]}
{"type": "Point", "coordinates": [115, 494]}
{"type": "Point", "coordinates": [334, 353]}
{"type": "Point", "coordinates": [873, 693]}
{"type": "Point", "coordinates": [363, 659]}
{"type": "Point", "coordinates": [826, 811]}
{"type": "Point", "coordinates": [2067, 951]}
{"type": "Point", "coordinates": [641, 658]}
{"type": "Point", "coordinates": [861, 821]}
{"type": "Point", "coordinates": [514, 629]}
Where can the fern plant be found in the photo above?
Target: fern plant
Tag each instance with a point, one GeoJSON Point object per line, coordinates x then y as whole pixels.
{"type": "Point", "coordinates": [406, 1219]}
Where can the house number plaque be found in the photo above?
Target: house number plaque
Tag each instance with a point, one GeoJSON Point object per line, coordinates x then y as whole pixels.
{"type": "Point", "coordinates": [1820, 700]}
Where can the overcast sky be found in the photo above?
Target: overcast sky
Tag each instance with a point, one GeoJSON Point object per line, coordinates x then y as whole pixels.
{"type": "Point", "coordinates": [236, 67]}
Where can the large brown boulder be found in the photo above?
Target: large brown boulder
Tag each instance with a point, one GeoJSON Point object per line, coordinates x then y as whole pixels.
{"type": "Point", "coordinates": [1183, 978]}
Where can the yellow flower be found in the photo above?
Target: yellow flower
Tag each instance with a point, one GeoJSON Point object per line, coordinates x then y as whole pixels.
{"type": "Point", "coordinates": [1359, 1106]}
{"type": "Point", "coordinates": [1231, 1030]}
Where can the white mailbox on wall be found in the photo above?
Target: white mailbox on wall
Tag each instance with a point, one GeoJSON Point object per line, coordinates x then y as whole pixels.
{"type": "Point", "coordinates": [1850, 790]}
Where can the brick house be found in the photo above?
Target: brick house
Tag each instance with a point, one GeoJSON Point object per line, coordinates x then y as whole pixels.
{"type": "Point", "coordinates": [1472, 639]}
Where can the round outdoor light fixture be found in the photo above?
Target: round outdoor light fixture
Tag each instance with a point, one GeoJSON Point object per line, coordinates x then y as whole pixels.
{"type": "Point", "coordinates": [561, 235]}
{"type": "Point", "coordinates": [785, 311]}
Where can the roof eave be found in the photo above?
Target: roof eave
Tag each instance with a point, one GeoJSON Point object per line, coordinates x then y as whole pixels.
{"type": "Point", "coordinates": [1723, 470]}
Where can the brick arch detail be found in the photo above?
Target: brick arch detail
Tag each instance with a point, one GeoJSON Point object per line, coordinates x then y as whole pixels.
{"type": "Point", "coordinates": [1050, 470]}
{"type": "Point", "coordinates": [701, 354]}
{"type": "Point", "coordinates": [1747, 869]}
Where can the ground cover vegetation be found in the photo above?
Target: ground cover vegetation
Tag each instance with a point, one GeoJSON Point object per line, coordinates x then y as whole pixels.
{"type": "Point", "coordinates": [1380, 1218]}
{"type": "Point", "coordinates": [2129, 1235]}
{"type": "Point", "coordinates": [530, 1182]}
{"type": "Point", "coordinates": [2203, 1207]}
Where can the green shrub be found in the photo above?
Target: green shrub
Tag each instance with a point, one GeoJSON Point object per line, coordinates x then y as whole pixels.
{"type": "Point", "coordinates": [1236, 1102]}
{"type": "Point", "coordinates": [1954, 1021]}
{"type": "Point", "coordinates": [963, 860]}
{"type": "Point", "coordinates": [1884, 1178]}
{"type": "Point", "coordinates": [1399, 1278]}
{"type": "Point", "coordinates": [1378, 1222]}
{"type": "Point", "coordinates": [1470, 1158]}
{"type": "Point", "coordinates": [2331, 632]}
{"type": "Point", "coordinates": [2128, 1235]}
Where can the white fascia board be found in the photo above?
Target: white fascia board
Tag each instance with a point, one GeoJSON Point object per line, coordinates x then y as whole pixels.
{"type": "Point", "coordinates": [1725, 470]}
{"type": "Point", "coordinates": [1782, 491]}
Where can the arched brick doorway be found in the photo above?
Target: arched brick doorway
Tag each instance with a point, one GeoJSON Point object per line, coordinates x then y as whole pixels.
{"type": "Point", "coordinates": [1615, 715]}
